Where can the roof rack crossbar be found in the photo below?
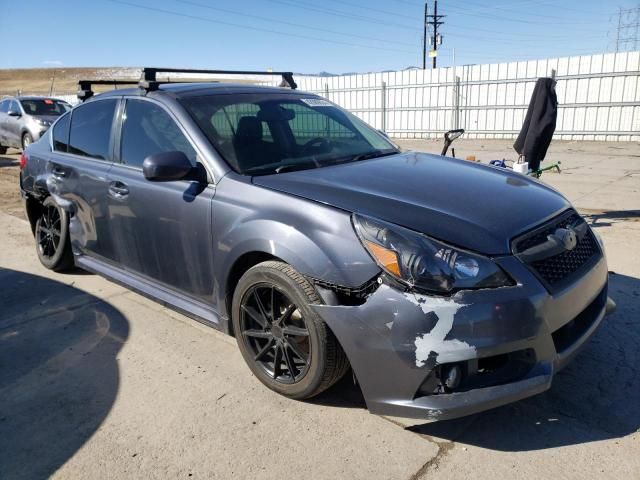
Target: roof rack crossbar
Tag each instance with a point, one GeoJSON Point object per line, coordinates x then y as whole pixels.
{"type": "Point", "coordinates": [85, 91]}
{"type": "Point", "coordinates": [149, 81]}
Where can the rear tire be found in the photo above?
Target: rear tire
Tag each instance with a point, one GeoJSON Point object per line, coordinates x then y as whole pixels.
{"type": "Point", "coordinates": [27, 140]}
{"type": "Point", "coordinates": [52, 237]}
{"type": "Point", "coordinates": [283, 341]}
{"type": "Point", "coordinates": [3, 150]}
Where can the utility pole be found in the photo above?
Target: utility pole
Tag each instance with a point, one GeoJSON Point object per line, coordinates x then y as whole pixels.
{"type": "Point", "coordinates": [434, 21]}
{"type": "Point", "coordinates": [628, 32]}
{"type": "Point", "coordinates": [424, 38]}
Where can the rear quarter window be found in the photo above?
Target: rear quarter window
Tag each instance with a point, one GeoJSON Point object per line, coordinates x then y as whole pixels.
{"type": "Point", "coordinates": [90, 133]}
{"type": "Point", "coordinates": [61, 134]}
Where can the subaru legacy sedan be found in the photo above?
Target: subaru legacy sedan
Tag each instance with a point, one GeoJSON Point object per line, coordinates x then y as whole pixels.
{"type": "Point", "coordinates": [447, 287]}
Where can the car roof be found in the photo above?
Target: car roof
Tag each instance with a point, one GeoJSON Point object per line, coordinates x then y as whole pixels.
{"type": "Point", "coordinates": [33, 97]}
{"type": "Point", "coordinates": [207, 88]}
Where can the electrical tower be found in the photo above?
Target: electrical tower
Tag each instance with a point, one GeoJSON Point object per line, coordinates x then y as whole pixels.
{"type": "Point", "coordinates": [433, 21]}
{"type": "Point", "coordinates": [628, 35]}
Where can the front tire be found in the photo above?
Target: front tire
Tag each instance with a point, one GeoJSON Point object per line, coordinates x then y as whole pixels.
{"type": "Point", "coordinates": [27, 140]}
{"type": "Point", "coordinates": [284, 342]}
{"type": "Point", "coordinates": [52, 237]}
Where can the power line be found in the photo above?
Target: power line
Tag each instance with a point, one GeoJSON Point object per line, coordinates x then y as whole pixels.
{"type": "Point", "coordinates": [372, 9]}
{"type": "Point", "coordinates": [343, 14]}
{"type": "Point", "coordinates": [247, 27]}
{"type": "Point", "coordinates": [283, 22]}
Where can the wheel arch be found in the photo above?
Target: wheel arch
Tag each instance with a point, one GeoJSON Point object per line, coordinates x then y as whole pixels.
{"type": "Point", "coordinates": [33, 209]}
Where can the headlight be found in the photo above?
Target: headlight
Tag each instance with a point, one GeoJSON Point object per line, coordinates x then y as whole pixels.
{"type": "Point", "coordinates": [44, 123]}
{"type": "Point", "coordinates": [425, 263]}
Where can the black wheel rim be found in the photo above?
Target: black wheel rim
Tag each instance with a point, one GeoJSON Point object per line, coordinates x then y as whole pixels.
{"type": "Point", "coordinates": [275, 333]}
{"type": "Point", "coordinates": [48, 233]}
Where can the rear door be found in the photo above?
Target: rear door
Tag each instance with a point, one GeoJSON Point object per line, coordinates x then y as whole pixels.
{"type": "Point", "coordinates": [82, 157]}
{"type": "Point", "coordinates": [161, 230]}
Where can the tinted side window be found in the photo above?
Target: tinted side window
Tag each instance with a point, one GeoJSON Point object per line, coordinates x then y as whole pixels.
{"type": "Point", "coordinates": [13, 107]}
{"type": "Point", "coordinates": [91, 129]}
{"type": "Point", "coordinates": [4, 106]}
{"type": "Point", "coordinates": [61, 134]}
{"type": "Point", "coordinates": [148, 129]}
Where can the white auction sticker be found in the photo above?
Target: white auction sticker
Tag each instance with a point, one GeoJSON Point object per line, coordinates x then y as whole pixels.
{"type": "Point", "coordinates": [317, 102]}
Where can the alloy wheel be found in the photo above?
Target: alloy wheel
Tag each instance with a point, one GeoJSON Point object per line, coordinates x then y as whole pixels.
{"type": "Point", "coordinates": [48, 233]}
{"type": "Point", "coordinates": [275, 332]}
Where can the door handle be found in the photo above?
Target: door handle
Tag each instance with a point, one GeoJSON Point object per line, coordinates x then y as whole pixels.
{"type": "Point", "coordinates": [58, 172]}
{"type": "Point", "coordinates": [118, 189]}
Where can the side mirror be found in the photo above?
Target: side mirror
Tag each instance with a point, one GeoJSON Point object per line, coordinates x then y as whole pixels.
{"type": "Point", "coordinates": [453, 134]}
{"type": "Point", "coordinates": [166, 167]}
{"type": "Point", "coordinates": [14, 113]}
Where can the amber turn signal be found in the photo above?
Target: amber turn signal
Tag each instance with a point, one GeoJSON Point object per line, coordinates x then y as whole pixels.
{"type": "Point", "coordinates": [385, 257]}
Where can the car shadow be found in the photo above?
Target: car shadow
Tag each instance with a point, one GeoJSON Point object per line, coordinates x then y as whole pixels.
{"type": "Point", "coordinates": [58, 371]}
{"type": "Point", "coordinates": [596, 397]}
{"type": "Point", "coordinates": [344, 394]}
{"type": "Point", "coordinates": [8, 161]}
{"type": "Point", "coordinates": [606, 218]}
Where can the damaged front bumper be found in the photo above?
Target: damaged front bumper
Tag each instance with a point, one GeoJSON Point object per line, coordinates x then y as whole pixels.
{"type": "Point", "coordinates": [503, 344]}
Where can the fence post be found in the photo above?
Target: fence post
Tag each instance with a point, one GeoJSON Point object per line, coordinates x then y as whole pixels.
{"type": "Point", "coordinates": [456, 104]}
{"type": "Point", "coordinates": [326, 90]}
{"type": "Point", "coordinates": [384, 106]}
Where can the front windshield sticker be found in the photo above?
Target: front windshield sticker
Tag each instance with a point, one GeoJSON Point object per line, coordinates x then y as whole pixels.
{"type": "Point", "coordinates": [317, 102]}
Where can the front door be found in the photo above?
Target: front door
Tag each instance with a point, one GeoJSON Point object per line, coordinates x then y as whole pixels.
{"type": "Point", "coordinates": [4, 108]}
{"type": "Point", "coordinates": [162, 230]}
{"type": "Point", "coordinates": [13, 125]}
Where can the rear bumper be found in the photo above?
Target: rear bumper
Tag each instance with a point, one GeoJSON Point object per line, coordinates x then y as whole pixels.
{"type": "Point", "coordinates": [396, 341]}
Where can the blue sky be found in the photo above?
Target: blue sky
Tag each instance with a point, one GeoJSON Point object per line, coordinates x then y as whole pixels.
{"type": "Point", "coordinates": [305, 36]}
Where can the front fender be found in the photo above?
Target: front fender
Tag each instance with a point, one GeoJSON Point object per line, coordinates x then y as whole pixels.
{"type": "Point", "coordinates": [317, 240]}
{"type": "Point", "coordinates": [323, 255]}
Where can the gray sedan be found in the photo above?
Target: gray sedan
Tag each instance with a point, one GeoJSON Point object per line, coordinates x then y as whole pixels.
{"type": "Point", "coordinates": [23, 120]}
{"type": "Point", "coordinates": [447, 287]}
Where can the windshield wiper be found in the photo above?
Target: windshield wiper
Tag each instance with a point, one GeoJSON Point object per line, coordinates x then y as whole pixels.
{"type": "Point", "coordinates": [360, 156]}
{"type": "Point", "coordinates": [287, 167]}
{"type": "Point", "coordinates": [372, 154]}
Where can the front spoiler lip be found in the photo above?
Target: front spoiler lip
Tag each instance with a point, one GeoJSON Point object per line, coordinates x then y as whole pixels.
{"type": "Point", "coordinates": [379, 339]}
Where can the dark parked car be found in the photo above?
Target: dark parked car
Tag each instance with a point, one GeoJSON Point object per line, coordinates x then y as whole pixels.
{"type": "Point", "coordinates": [448, 287]}
{"type": "Point", "coordinates": [24, 120]}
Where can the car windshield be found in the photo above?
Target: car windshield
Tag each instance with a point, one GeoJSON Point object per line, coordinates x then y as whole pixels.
{"type": "Point", "coordinates": [45, 106]}
{"type": "Point", "coordinates": [263, 134]}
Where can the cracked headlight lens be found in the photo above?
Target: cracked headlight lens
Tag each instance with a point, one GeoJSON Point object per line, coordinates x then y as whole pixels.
{"type": "Point", "coordinates": [422, 262]}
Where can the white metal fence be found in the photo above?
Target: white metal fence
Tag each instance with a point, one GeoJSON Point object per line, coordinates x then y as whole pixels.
{"type": "Point", "coordinates": [598, 96]}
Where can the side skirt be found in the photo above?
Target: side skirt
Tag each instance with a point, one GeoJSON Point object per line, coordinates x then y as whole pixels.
{"type": "Point", "coordinates": [194, 309]}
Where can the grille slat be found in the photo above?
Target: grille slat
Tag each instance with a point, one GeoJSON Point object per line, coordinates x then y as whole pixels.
{"type": "Point", "coordinates": [558, 268]}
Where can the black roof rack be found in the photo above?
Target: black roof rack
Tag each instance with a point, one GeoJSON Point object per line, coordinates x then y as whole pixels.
{"type": "Point", "coordinates": [85, 91]}
{"type": "Point", "coordinates": [149, 81]}
{"type": "Point", "coordinates": [149, 76]}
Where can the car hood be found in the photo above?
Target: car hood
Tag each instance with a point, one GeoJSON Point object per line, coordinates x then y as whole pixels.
{"type": "Point", "coordinates": [473, 206]}
{"type": "Point", "coordinates": [48, 118]}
